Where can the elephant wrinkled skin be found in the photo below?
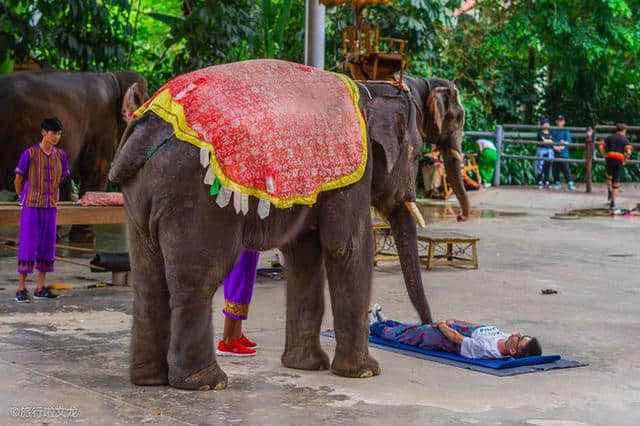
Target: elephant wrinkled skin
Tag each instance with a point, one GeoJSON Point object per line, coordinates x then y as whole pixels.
{"type": "Point", "coordinates": [182, 245]}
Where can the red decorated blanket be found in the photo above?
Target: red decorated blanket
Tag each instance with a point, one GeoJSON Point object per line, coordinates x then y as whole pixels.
{"type": "Point", "coordinates": [277, 130]}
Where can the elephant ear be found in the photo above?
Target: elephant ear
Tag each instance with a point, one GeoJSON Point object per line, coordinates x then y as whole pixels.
{"type": "Point", "coordinates": [387, 125]}
{"type": "Point", "coordinates": [437, 106]}
{"type": "Point", "coordinates": [133, 99]}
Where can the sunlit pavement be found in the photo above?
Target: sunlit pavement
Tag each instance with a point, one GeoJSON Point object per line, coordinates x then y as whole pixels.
{"type": "Point", "coordinates": [67, 360]}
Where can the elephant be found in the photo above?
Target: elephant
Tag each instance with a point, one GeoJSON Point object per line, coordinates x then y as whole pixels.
{"type": "Point", "coordinates": [94, 109]}
{"type": "Point", "coordinates": [440, 121]}
{"type": "Point", "coordinates": [182, 245]}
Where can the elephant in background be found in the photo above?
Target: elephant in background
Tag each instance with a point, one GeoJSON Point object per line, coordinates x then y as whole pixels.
{"type": "Point", "coordinates": [93, 108]}
{"type": "Point", "coordinates": [182, 245]}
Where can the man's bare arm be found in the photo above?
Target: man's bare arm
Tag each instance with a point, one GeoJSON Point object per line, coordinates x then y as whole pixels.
{"type": "Point", "coordinates": [450, 333]}
{"type": "Point", "coordinates": [450, 320]}
{"type": "Point", "coordinates": [17, 184]}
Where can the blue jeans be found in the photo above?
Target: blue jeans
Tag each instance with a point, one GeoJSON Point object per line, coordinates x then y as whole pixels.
{"type": "Point", "coordinates": [542, 167]}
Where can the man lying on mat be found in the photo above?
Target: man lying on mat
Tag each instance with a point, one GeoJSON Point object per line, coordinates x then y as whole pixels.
{"type": "Point", "coordinates": [460, 337]}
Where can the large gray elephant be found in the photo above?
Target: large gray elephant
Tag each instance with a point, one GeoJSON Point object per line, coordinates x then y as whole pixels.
{"type": "Point", "coordinates": [93, 108]}
{"type": "Point", "coordinates": [180, 253]}
{"type": "Point", "coordinates": [440, 121]}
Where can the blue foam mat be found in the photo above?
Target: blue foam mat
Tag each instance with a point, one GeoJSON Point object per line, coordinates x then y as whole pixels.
{"type": "Point", "coordinates": [496, 367]}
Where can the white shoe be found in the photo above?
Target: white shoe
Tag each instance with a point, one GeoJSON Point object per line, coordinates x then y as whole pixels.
{"type": "Point", "coordinates": [372, 317]}
{"type": "Point", "coordinates": [379, 313]}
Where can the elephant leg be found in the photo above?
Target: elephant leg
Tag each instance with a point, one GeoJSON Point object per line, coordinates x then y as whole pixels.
{"type": "Point", "coordinates": [348, 257]}
{"type": "Point", "coordinates": [151, 315]}
{"type": "Point", "coordinates": [191, 358]}
{"type": "Point", "coordinates": [305, 304]}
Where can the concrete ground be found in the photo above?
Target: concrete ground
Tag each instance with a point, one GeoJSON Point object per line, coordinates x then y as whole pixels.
{"type": "Point", "coordinates": [66, 360]}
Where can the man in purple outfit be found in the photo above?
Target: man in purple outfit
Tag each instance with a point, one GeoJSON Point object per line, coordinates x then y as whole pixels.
{"type": "Point", "coordinates": [38, 175]}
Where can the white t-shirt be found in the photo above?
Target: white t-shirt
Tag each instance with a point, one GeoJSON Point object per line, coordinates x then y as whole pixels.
{"type": "Point", "coordinates": [486, 143]}
{"type": "Point", "coordinates": [483, 343]}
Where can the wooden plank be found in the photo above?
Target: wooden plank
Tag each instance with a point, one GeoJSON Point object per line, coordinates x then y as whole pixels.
{"type": "Point", "coordinates": [70, 215]}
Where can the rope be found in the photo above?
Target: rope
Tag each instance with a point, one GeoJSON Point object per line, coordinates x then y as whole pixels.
{"type": "Point", "coordinates": [156, 148]}
{"type": "Point", "coordinates": [82, 249]}
{"type": "Point", "coordinates": [62, 259]}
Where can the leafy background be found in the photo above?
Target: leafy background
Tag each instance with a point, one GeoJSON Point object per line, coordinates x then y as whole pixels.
{"type": "Point", "coordinates": [513, 64]}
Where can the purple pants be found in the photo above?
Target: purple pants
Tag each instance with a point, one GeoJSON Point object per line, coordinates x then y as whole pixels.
{"type": "Point", "coordinates": [37, 243]}
{"type": "Point", "coordinates": [238, 285]}
{"type": "Point", "coordinates": [420, 335]}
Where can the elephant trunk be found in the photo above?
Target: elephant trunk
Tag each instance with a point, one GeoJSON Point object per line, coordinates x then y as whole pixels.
{"type": "Point", "coordinates": [453, 167]}
{"type": "Point", "coordinates": [403, 228]}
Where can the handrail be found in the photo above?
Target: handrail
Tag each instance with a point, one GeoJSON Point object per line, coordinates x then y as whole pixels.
{"type": "Point", "coordinates": [502, 137]}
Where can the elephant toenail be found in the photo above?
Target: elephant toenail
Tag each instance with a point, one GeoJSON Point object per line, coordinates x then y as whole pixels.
{"type": "Point", "coordinates": [366, 374]}
{"type": "Point", "coordinates": [204, 388]}
{"type": "Point", "coordinates": [221, 386]}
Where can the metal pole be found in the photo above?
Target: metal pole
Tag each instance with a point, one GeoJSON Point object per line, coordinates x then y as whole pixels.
{"type": "Point", "coordinates": [314, 34]}
{"type": "Point", "coordinates": [500, 147]}
{"type": "Point", "coordinates": [588, 157]}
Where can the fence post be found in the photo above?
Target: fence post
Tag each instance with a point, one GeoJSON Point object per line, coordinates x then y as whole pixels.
{"type": "Point", "coordinates": [588, 157]}
{"type": "Point", "coordinates": [499, 147]}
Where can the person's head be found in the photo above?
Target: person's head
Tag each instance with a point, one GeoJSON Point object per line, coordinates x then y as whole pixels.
{"type": "Point", "coordinates": [51, 130]}
{"type": "Point", "coordinates": [544, 123]}
{"type": "Point", "coordinates": [621, 128]}
{"type": "Point", "coordinates": [520, 346]}
{"type": "Point", "coordinates": [560, 120]}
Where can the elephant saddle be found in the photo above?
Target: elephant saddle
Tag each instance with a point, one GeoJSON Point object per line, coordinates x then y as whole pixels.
{"type": "Point", "coordinates": [279, 131]}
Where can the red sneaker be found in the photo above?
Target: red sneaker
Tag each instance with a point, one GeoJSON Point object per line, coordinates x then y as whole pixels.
{"type": "Point", "coordinates": [235, 348]}
{"type": "Point", "coordinates": [248, 343]}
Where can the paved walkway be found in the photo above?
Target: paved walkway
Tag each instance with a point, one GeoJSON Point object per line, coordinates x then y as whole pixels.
{"type": "Point", "coordinates": [70, 356]}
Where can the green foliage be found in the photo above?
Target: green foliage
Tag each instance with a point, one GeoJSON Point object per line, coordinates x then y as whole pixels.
{"type": "Point", "coordinates": [580, 58]}
{"type": "Point", "coordinates": [513, 61]}
{"type": "Point", "coordinates": [74, 34]}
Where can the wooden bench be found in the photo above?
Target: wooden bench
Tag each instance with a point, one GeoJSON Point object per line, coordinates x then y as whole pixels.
{"type": "Point", "coordinates": [449, 248]}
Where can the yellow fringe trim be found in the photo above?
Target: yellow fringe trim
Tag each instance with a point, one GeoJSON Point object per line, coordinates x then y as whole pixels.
{"type": "Point", "coordinates": [173, 113]}
{"type": "Point", "coordinates": [237, 309]}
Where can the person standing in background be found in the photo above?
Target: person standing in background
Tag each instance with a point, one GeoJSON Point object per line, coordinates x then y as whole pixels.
{"type": "Point", "coordinates": [486, 160]}
{"type": "Point", "coordinates": [616, 149]}
{"type": "Point", "coordinates": [563, 136]}
{"type": "Point", "coordinates": [37, 182]}
{"type": "Point", "coordinates": [542, 166]}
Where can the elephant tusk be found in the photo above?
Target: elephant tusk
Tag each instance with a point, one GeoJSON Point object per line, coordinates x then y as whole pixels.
{"type": "Point", "coordinates": [415, 213]}
{"type": "Point", "coordinates": [456, 154]}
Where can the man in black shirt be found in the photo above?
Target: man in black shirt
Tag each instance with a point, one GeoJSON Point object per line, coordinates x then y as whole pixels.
{"type": "Point", "coordinates": [616, 150]}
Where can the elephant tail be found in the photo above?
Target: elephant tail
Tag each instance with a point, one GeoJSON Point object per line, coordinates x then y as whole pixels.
{"type": "Point", "coordinates": [136, 143]}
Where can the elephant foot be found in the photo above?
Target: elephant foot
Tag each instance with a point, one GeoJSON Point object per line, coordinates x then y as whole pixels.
{"type": "Point", "coordinates": [305, 358]}
{"type": "Point", "coordinates": [147, 375]}
{"type": "Point", "coordinates": [355, 367]}
{"type": "Point", "coordinates": [82, 234]}
{"type": "Point", "coordinates": [209, 378]}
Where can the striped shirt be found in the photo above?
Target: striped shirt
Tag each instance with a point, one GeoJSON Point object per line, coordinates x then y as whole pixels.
{"type": "Point", "coordinates": [615, 146]}
{"type": "Point", "coordinates": [42, 173]}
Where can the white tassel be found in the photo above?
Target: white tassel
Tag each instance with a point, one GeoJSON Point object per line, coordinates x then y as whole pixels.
{"type": "Point", "coordinates": [271, 185]}
{"type": "Point", "coordinates": [263, 208]}
{"type": "Point", "coordinates": [210, 177]}
{"type": "Point", "coordinates": [223, 197]}
{"type": "Point", "coordinates": [244, 203]}
{"type": "Point", "coordinates": [204, 156]}
{"type": "Point", "coordinates": [236, 202]}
